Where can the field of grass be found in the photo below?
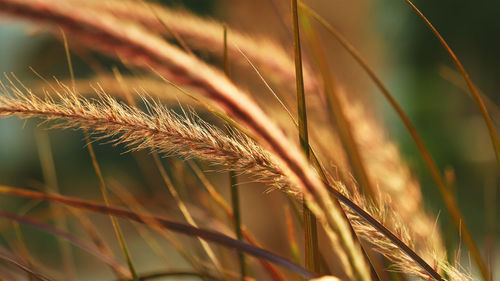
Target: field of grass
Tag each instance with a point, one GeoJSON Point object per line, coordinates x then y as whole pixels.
{"type": "Point", "coordinates": [242, 140]}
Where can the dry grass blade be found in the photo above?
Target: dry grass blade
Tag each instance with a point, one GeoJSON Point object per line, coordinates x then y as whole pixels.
{"type": "Point", "coordinates": [495, 140]}
{"type": "Point", "coordinates": [310, 226]}
{"type": "Point", "coordinates": [68, 237]}
{"type": "Point", "coordinates": [233, 178]}
{"type": "Point", "coordinates": [173, 274]}
{"type": "Point", "coordinates": [114, 37]}
{"type": "Point", "coordinates": [185, 212]}
{"type": "Point", "coordinates": [451, 205]}
{"type": "Point", "coordinates": [227, 209]}
{"type": "Point", "coordinates": [111, 118]}
{"type": "Point", "coordinates": [49, 173]}
{"type": "Point", "coordinates": [25, 254]}
{"type": "Point", "coordinates": [472, 88]}
{"type": "Point", "coordinates": [164, 223]}
{"type": "Point", "coordinates": [9, 258]}
{"type": "Point", "coordinates": [97, 240]}
{"type": "Point", "coordinates": [132, 203]}
{"type": "Point", "coordinates": [146, 50]}
{"type": "Point", "coordinates": [114, 222]}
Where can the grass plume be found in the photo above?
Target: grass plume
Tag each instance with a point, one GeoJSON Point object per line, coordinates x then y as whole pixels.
{"type": "Point", "coordinates": [71, 112]}
{"type": "Point", "coordinates": [360, 192]}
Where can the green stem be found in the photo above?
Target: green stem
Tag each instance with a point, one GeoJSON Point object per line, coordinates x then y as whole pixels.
{"type": "Point", "coordinates": [233, 180]}
{"type": "Point", "coordinates": [114, 222]}
{"type": "Point", "coordinates": [338, 116]}
{"type": "Point", "coordinates": [235, 201]}
{"type": "Point", "coordinates": [310, 227]}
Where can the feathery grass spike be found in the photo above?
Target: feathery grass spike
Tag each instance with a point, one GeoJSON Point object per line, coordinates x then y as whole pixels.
{"type": "Point", "coordinates": [148, 51]}
{"type": "Point", "coordinates": [98, 31]}
{"type": "Point", "coordinates": [110, 118]}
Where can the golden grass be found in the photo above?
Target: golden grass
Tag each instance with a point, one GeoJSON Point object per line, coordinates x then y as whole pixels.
{"type": "Point", "coordinates": [253, 145]}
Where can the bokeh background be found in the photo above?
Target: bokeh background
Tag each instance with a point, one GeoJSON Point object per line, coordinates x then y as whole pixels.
{"type": "Point", "coordinates": [393, 39]}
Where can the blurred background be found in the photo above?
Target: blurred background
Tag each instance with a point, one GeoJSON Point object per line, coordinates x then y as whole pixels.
{"type": "Point", "coordinates": [390, 36]}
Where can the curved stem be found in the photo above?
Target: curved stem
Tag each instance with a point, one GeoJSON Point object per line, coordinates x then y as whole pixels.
{"type": "Point", "coordinates": [166, 224]}
{"type": "Point", "coordinates": [448, 199]}
{"type": "Point", "coordinates": [457, 218]}
{"type": "Point", "coordinates": [387, 233]}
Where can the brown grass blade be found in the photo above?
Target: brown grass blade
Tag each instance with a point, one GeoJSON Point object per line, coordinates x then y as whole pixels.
{"type": "Point", "coordinates": [472, 88]}
{"type": "Point", "coordinates": [146, 50]}
{"type": "Point", "coordinates": [32, 106]}
{"type": "Point", "coordinates": [167, 224]}
{"type": "Point", "coordinates": [50, 178]}
{"type": "Point", "coordinates": [451, 205]}
{"type": "Point", "coordinates": [173, 274]}
{"type": "Point", "coordinates": [129, 200]}
{"type": "Point", "coordinates": [185, 212]}
{"type": "Point", "coordinates": [97, 240]}
{"type": "Point", "coordinates": [227, 209]}
{"type": "Point", "coordinates": [310, 226]}
{"type": "Point", "coordinates": [233, 178]}
{"type": "Point", "coordinates": [74, 240]}
{"type": "Point", "coordinates": [114, 222]}
{"type": "Point", "coordinates": [7, 257]}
